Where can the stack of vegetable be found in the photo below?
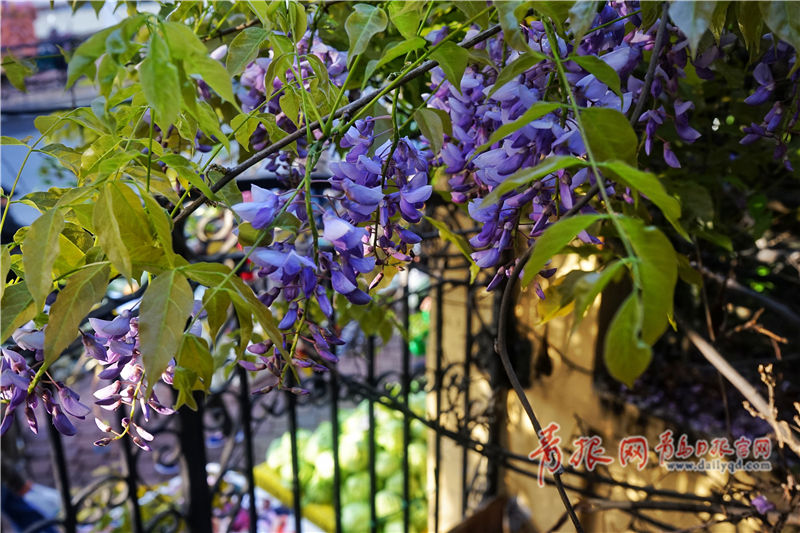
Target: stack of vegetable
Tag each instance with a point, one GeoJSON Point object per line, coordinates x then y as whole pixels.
{"type": "Point", "coordinates": [315, 455]}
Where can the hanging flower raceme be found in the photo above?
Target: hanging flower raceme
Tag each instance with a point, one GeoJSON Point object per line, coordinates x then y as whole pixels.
{"type": "Point", "coordinates": [16, 377]}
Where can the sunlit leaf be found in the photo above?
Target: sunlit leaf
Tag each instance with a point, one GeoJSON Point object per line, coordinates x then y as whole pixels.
{"type": "Point", "coordinates": [244, 49]}
{"type": "Point", "coordinates": [459, 242]}
{"type": "Point", "coordinates": [84, 289]}
{"type": "Point", "coordinates": [364, 22]}
{"type": "Point", "coordinates": [18, 308]}
{"type": "Point", "coordinates": [601, 70]}
{"type": "Point", "coordinates": [39, 251]}
{"type": "Point", "coordinates": [553, 240]}
{"type": "Point", "coordinates": [166, 305]}
{"type": "Point", "coordinates": [658, 268]}
{"type": "Point", "coordinates": [625, 354]}
{"type": "Point", "coordinates": [160, 83]}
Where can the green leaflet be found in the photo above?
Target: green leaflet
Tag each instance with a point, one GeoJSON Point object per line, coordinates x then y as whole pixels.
{"type": "Point", "coordinates": [553, 240]}
{"type": "Point", "coordinates": [362, 25]}
{"type": "Point", "coordinates": [212, 276]}
{"type": "Point", "coordinates": [213, 73]}
{"type": "Point", "coordinates": [536, 111]}
{"type": "Point", "coordinates": [244, 48]}
{"type": "Point", "coordinates": [84, 289]}
{"type": "Point", "coordinates": [5, 266]}
{"type": "Point", "coordinates": [693, 19]}
{"type": "Point", "coordinates": [601, 70]}
{"type": "Point", "coordinates": [783, 18]}
{"type": "Point", "coordinates": [160, 83]}
{"type": "Point", "coordinates": [18, 308]}
{"type": "Point", "coordinates": [658, 269]}
{"type": "Point", "coordinates": [430, 124]}
{"type": "Point", "coordinates": [609, 134]}
{"type": "Point", "coordinates": [166, 305]}
{"type": "Point", "coordinates": [400, 49]}
{"type": "Point", "coordinates": [243, 127]}
{"type": "Point", "coordinates": [649, 185]}
{"type": "Point", "coordinates": [453, 61]}
{"type": "Point", "coordinates": [182, 40]}
{"type": "Point", "coordinates": [517, 67]}
{"type": "Point", "coordinates": [527, 175]}
{"type": "Point", "coordinates": [39, 251]}
{"type": "Point", "coordinates": [625, 354]}
{"type": "Point", "coordinates": [581, 16]}
{"type": "Point", "coordinates": [122, 227]}
{"type": "Point", "coordinates": [459, 242]}
{"type": "Point", "coordinates": [406, 17]}
{"type": "Point", "coordinates": [82, 61]}
{"type": "Point", "coordinates": [587, 289]}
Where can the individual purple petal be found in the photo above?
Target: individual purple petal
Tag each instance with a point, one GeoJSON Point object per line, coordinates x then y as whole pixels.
{"type": "Point", "coordinates": [759, 97]}
{"type": "Point", "coordinates": [670, 158]}
{"type": "Point", "coordinates": [486, 258]}
{"type": "Point", "coordinates": [763, 74]}
{"type": "Point", "coordinates": [289, 318]}
{"type": "Point", "coordinates": [341, 284]}
{"type": "Point", "coordinates": [252, 367]}
{"type": "Point", "coordinates": [93, 348]}
{"type": "Point", "coordinates": [117, 327]}
{"type": "Point", "coordinates": [358, 297]}
{"type": "Point", "coordinates": [323, 302]}
{"type": "Point", "coordinates": [62, 423]}
{"type": "Point", "coordinates": [30, 417]}
{"type": "Point", "coordinates": [71, 404]}
{"type": "Point", "coordinates": [29, 340]}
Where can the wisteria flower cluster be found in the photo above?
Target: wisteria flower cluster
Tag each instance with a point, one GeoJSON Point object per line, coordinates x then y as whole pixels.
{"type": "Point", "coordinates": [477, 109]}
{"type": "Point", "coordinates": [16, 378]}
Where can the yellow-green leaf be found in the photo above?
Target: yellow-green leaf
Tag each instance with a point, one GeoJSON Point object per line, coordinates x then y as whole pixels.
{"type": "Point", "coordinates": [84, 289]}
{"type": "Point", "coordinates": [166, 305]}
{"type": "Point", "coordinates": [39, 251]}
{"type": "Point", "coordinates": [625, 354]}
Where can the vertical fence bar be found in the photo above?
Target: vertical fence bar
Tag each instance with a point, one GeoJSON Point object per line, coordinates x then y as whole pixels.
{"type": "Point", "coordinates": [62, 477]}
{"type": "Point", "coordinates": [406, 386]}
{"type": "Point", "coordinates": [130, 480]}
{"type": "Point", "coordinates": [438, 378]}
{"type": "Point", "coordinates": [373, 479]}
{"type": "Point", "coordinates": [337, 474]}
{"type": "Point", "coordinates": [292, 411]}
{"type": "Point", "coordinates": [245, 407]}
{"type": "Point", "coordinates": [193, 462]}
{"type": "Point", "coordinates": [467, 378]}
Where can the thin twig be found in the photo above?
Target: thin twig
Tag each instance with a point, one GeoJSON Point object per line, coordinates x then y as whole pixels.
{"type": "Point", "coordinates": [651, 68]}
{"type": "Point", "coordinates": [782, 430]}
